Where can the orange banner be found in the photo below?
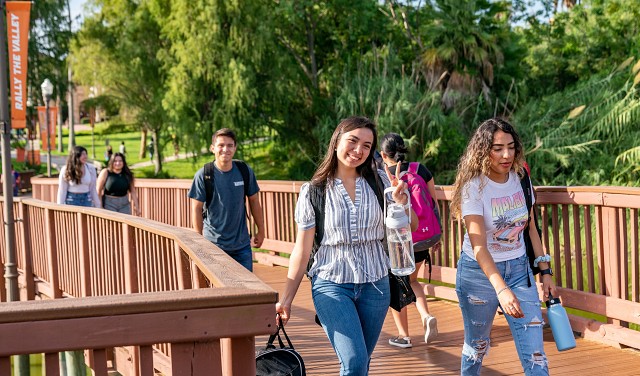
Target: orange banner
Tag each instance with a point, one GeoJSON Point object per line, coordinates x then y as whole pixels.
{"type": "Point", "coordinates": [53, 115]}
{"type": "Point", "coordinates": [18, 34]}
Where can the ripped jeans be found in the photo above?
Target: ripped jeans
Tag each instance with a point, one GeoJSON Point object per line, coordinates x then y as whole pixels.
{"type": "Point", "coordinates": [479, 302]}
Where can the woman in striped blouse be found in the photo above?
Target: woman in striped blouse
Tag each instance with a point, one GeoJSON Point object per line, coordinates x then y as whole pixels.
{"type": "Point", "coordinates": [350, 286]}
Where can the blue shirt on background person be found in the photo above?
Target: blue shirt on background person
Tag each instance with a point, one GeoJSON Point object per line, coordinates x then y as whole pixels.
{"type": "Point", "coordinates": [225, 224]}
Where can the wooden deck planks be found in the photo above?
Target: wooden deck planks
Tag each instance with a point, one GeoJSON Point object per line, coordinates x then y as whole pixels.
{"type": "Point", "coordinates": [443, 356]}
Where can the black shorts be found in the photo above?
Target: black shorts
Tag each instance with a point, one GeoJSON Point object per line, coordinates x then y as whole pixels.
{"type": "Point", "coordinates": [420, 256]}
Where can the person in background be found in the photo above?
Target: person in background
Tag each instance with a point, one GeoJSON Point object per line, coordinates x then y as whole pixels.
{"type": "Point", "coordinates": [123, 149]}
{"type": "Point", "coordinates": [224, 222]}
{"type": "Point", "coordinates": [16, 181]}
{"type": "Point", "coordinates": [77, 181]}
{"type": "Point", "coordinates": [394, 152]}
{"type": "Point", "coordinates": [151, 148]}
{"type": "Point", "coordinates": [108, 153]}
{"type": "Point", "coordinates": [493, 269]}
{"type": "Point", "coordinates": [350, 284]}
{"type": "Point", "coordinates": [116, 187]}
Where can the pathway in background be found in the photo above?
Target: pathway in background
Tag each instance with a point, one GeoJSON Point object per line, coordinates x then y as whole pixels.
{"type": "Point", "coordinates": [169, 159]}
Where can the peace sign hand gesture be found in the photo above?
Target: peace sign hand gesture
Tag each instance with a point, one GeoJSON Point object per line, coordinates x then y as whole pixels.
{"type": "Point", "coordinates": [399, 194]}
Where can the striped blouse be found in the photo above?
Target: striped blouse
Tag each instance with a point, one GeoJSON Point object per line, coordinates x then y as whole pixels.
{"type": "Point", "coordinates": [351, 250]}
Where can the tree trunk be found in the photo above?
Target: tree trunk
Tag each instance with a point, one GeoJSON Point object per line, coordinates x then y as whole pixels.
{"type": "Point", "coordinates": [157, 158]}
{"type": "Point", "coordinates": [143, 144]}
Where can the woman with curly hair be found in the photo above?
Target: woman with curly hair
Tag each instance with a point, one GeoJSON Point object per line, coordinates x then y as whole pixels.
{"type": "Point", "coordinates": [116, 186]}
{"type": "Point", "coordinates": [493, 270]}
{"type": "Point", "coordinates": [77, 182]}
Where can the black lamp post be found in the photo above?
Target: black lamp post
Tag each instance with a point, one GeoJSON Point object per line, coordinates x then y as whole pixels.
{"type": "Point", "coordinates": [92, 120]}
{"type": "Point", "coordinates": [47, 91]}
{"type": "Point", "coordinates": [10, 266]}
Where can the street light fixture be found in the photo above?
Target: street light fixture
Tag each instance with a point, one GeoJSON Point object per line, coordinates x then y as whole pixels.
{"type": "Point", "coordinates": [47, 91]}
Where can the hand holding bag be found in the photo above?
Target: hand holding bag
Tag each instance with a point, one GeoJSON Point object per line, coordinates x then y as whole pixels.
{"type": "Point", "coordinates": [400, 292]}
{"type": "Point", "coordinates": [283, 361]}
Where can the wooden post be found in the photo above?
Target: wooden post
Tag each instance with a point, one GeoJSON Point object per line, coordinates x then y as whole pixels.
{"type": "Point", "coordinates": [52, 253]}
{"type": "Point", "coordinates": [610, 228]}
{"type": "Point", "coordinates": [100, 363]}
{"type": "Point", "coordinates": [182, 268]}
{"type": "Point", "coordinates": [51, 366]}
{"type": "Point", "coordinates": [130, 259]}
{"type": "Point", "coordinates": [146, 361]}
{"type": "Point", "coordinates": [83, 249]}
{"type": "Point", "coordinates": [200, 358]}
{"type": "Point", "coordinates": [238, 356]}
{"type": "Point", "coordinates": [5, 365]}
{"type": "Point", "coordinates": [26, 251]}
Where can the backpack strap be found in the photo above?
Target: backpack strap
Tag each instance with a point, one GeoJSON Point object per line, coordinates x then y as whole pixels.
{"type": "Point", "coordinates": [378, 188]}
{"type": "Point", "coordinates": [376, 184]}
{"type": "Point", "coordinates": [317, 195]}
{"type": "Point", "coordinates": [413, 167]}
{"type": "Point", "coordinates": [244, 171]}
{"type": "Point", "coordinates": [208, 186]}
{"type": "Point", "coordinates": [525, 182]}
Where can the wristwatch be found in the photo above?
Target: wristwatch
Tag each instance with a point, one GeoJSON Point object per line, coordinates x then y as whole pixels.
{"type": "Point", "coordinates": [546, 271]}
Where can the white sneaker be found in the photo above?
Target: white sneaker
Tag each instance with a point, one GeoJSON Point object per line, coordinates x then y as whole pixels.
{"type": "Point", "coordinates": [400, 342]}
{"type": "Point", "coordinates": [430, 328]}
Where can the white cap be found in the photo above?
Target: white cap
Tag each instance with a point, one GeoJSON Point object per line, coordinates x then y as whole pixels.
{"type": "Point", "coordinates": [396, 217]}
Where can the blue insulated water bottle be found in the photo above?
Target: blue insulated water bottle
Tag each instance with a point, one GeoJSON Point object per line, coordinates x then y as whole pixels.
{"type": "Point", "coordinates": [560, 326]}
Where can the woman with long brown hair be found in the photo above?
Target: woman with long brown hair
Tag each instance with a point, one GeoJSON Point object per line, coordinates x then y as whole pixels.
{"type": "Point", "coordinates": [350, 284]}
{"type": "Point", "coordinates": [116, 186]}
{"type": "Point", "coordinates": [77, 181]}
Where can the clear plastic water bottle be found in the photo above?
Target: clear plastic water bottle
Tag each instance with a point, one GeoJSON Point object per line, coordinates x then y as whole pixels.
{"type": "Point", "coordinates": [398, 227]}
{"type": "Point", "coordinates": [560, 326]}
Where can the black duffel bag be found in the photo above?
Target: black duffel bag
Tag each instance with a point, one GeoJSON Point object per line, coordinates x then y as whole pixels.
{"type": "Point", "coordinates": [283, 361]}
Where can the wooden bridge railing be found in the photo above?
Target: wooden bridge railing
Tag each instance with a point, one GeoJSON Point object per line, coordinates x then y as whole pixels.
{"type": "Point", "coordinates": [590, 232]}
{"type": "Point", "coordinates": [164, 296]}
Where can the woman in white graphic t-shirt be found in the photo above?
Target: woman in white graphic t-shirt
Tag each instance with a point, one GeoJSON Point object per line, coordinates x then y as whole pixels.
{"type": "Point", "coordinates": [493, 270]}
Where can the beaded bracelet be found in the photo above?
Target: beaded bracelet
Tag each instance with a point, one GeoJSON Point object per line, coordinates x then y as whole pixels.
{"type": "Point", "coordinates": [502, 289]}
{"type": "Point", "coordinates": [539, 259]}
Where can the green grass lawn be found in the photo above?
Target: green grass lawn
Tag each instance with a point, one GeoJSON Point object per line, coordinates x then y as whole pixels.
{"type": "Point", "coordinates": [83, 138]}
{"type": "Point", "coordinates": [256, 154]}
{"type": "Point", "coordinates": [180, 169]}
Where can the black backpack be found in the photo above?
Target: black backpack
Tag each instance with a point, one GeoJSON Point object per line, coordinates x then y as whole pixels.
{"type": "Point", "coordinates": [210, 187]}
{"type": "Point", "coordinates": [525, 182]}
{"type": "Point", "coordinates": [282, 361]}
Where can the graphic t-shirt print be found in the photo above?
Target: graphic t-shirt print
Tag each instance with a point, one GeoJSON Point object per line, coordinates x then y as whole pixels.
{"type": "Point", "coordinates": [509, 215]}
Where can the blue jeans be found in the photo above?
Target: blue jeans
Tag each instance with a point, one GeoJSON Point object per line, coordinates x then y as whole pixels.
{"type": "Point", "coordinates": [479, 302]}
{"type": "Point", "coordinates": [78, 199]}
{"type": "Point", "coordinates": [352, 315]}
{"type": "Point", "coordinates": [243, 256]}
